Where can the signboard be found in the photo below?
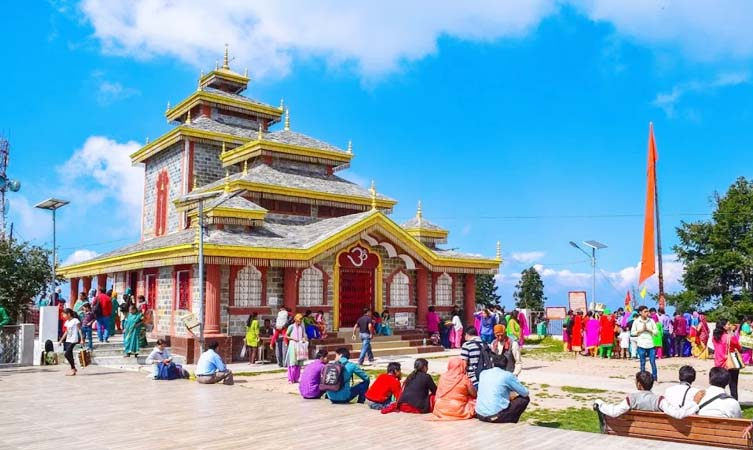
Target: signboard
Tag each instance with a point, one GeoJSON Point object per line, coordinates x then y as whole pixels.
{"type": "Point", "coordinates": [402, 320]}
{"type": "Point", "coordinates": [191, 322]}
{"type": "Point", "coordinates": [556, 312]}
{"type": "Point", "coordinates": [577, 301]}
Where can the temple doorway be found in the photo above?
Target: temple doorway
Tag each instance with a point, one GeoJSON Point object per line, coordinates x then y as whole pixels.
{"type": "Point", "coordinates": [356, 293]}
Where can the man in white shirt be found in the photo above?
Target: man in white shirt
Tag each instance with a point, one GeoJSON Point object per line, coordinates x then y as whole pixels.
{"type": "Point", "coordinates": [644, 329]}
{"type": "Point", "coordinates": [681, 394]}
{"type": "Point", "coordinates": [645, 400]}
{"type": "Point", "coordinates": [716, 402]}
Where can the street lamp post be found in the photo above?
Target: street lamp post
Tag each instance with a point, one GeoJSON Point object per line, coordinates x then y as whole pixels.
{"type": "Point", "coordinates": [594, 245]}
{"type": "Point", "coordinates": [53, 204]}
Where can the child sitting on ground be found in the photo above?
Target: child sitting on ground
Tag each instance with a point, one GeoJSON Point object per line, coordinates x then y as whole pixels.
{"type": "Point", "coordinates": [49, 357]}
{"type": "Point", "coordinates": [385, 388]}
{"type": "Point", "coordinates": [645, 400]}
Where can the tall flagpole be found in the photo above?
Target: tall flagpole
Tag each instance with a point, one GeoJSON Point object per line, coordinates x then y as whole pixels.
{"type": "Point", "coordinates": [658, 237]}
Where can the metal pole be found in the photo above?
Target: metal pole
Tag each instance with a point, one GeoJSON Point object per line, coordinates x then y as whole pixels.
{"type": "Point", "coordinates": [593, 269]}
{"type": "Point", "coordinates": [658, 241]}
{"type": "Point", "coordinates": [201, 276]}
{"type": "Point", "coordinates": [54, 258]}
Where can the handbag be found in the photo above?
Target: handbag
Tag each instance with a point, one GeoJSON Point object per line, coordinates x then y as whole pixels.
{"type": "Point", "coordinates": [746, 340]}
{"type": "Point", "coordinates": [734, 359]}
{"type": "Point", "coordinates": [243, 351]}
{"type": "Point", "coordinates": [84, 357]}
{"type": "Point", "coordinates": [302, 351]}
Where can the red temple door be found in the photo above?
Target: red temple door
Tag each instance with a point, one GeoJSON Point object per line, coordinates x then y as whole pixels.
{"type": "Point", "coordinates": [151, 291]}
{"type": "Point", "coordinates": [356, 293]}
{"type": "Point", "coordinates": [357, 269]}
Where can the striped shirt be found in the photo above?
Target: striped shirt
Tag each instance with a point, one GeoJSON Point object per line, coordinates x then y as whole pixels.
{"type": "Point", "coordinates": [471, 352]}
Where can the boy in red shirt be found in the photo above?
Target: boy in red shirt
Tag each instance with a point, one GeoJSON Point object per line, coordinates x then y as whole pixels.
{"type": "Point", "coordinates": [386, 386]}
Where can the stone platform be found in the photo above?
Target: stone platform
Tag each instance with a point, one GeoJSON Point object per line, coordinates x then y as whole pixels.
{"type": "Point", "coordinates": [43, 409]}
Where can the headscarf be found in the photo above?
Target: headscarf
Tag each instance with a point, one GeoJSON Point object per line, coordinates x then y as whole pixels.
{"type": "Point", "coordinates": [455, 375]}
{"type": "Point", "coordinates": [499, 329]}
{"type": "Point", "coordinates": [298, 317]}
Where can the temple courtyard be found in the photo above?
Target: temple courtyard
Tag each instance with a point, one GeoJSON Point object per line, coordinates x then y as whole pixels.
{"type": "Point", "coordinates": [45, 409]}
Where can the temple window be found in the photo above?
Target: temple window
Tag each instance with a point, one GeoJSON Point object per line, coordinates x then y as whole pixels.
{"type": "Point", "coordinates": [311, 287]}
{"type": "Point", "coordinates": [160, 216]}
{"type": "Point", "coordinates": [248, 287]}
{"type": "Point", "coordinates": [400, 290]}
{"type": "Point", "coordinates": [183, 289]}
{"type": "Point", "coordinates": [443, 291]}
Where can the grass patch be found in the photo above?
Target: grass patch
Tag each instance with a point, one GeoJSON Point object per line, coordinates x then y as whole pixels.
{"type": "Point", "coordinates": [580, 390]}
{"type": "Point", "coordinates": [747, 411]}
{"type": "Point", "coordinates": [576, 419]}
{"type": "Point", "coordinates": [256, 374]}
{"type": "Point", "coordinates": [544, 386]}
{"type": "Point", "coordinates": [546, 345]}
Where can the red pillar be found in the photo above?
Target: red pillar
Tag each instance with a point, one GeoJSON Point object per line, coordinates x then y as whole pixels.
{"type": "Point", "coordinates": [289, 291]}
{"type": "Point", "coordinates": [212, 310]}
{"type": "Point", "coordinates": [74, 292]}
{"type": "Point", "coordinates": [102, 281]}
{"type": "Point", "coordinates": [422, 296]}
{"type": "Point", "coordinates": [469, 297]}
{"type": "Point", "coordinates": [87, 284]}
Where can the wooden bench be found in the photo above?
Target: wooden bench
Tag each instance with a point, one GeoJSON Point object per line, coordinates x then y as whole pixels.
{"type": "Point", "coordinates": [709, 431]}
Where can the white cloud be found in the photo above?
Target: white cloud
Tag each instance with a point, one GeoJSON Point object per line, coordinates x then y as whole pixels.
{"type": "Point", "coordinates": [375, 37]}
{"type": "Point", "coordinates": [100, 177]}
{"type": "Point", "coordinates": [667, 101]}
{"type": "Point", "coordinates": [109, 92]}
{"type": "Point", "coordinates": [29, 223]}
{"type": "Point", "coordinates": [378, 37]}
{"type": "Point", "coordinates": [80, 256]}
{"type": "Point", "coordinates": [702, 30]}
{"type": "Point", "coordinates": [527, 257]}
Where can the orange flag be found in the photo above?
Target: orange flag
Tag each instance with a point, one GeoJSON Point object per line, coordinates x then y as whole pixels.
{"type": "Point", "coordinates": [648, 259]}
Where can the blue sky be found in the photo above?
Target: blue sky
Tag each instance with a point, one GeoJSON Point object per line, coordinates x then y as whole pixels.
{"type": "Point", "coordinates": [524, 122]}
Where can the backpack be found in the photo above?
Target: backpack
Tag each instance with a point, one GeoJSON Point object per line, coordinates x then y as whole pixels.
{"type": "Point", "coordinates": [332, 377]}
{"type": "Point", "coordinates": [485, 359]}
{"type": "Point", "coordinates": [97, 310]}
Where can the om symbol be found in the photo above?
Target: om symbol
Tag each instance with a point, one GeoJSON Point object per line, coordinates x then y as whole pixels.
{"type": "Point", "coordinates": [361, 256]}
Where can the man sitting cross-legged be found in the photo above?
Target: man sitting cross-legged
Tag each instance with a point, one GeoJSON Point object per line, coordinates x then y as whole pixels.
{"type": "Point", "coordinates": [645, 400]}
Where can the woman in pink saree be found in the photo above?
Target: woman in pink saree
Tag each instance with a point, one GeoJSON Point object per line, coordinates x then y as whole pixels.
{"type": "Point", "coordinates": [592, 334]}
{"type": "Point", "coordinates": [525, 330]}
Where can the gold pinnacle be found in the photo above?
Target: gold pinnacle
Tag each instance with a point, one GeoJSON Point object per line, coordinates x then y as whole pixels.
{"type": "Point", "coordinates": [245, 167]}
{"type": "Point", "coordinates": [419, 214]}
{"type": "Point", "coordinates": [188, 117]}
{"type": "Point", "coordinates": [373, 192]}
{"type": "Point", "coordinates": [168, 106]}
{"type": "Point", "coordinates": [350, 147]}
{"type": "Point", "coordinates": [227, 180]}
{"type": "Point", "coordinates": [287, 119]}
{"type": "Point", "coordinates": [261, 133]}
{"type": "Point", "coordinates": [225, 62]}
{"type": "Point", "coordinates": [282, 104]}
{"type": "Point", "coordinates": [216, 65]}
{"type": "Point", "coordinates": [147, 139]}
{"type": "Point", "coordinates": [195, 182]}
{"type": "Point", "coordinates": [499, 251]}
{"type": "Point", "coordinates": [245, 72]}
{"type": "Point", "coordinates": [223, 148]}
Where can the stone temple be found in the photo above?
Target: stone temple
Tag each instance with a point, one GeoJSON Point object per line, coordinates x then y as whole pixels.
{"type": "Point", "coordinates": [281, 228]}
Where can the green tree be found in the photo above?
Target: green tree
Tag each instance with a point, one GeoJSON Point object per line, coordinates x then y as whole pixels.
{"type": "Point", "coordinates": [529, 292]}
{"type": "Point", "coordinates": [717, 254]}
{"type": "Point", "coordinates": [25, 271]}
{"type": "Point", "coordinates": [486, 291]}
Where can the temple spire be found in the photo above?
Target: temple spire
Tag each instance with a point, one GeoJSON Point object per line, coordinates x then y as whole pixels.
{"type": "Point", "coordinates": [227, 181]}
{"type": "Point", "coordinates": [350, 147]}
{"type": "Point", "coordinates": [188, 118]}
{"type": "Point", "coordinates": [245, 167]}
{"type": "Point", "coordinates": [225, 61]}
{"type": "Point", "coordinates": [499, 251]}
{"type": "Point", "coordinates": [260, 135]}
{"type": "Point", "coordinates": [168, 107]}
{"type": "Point", "coordinates": [287, 119]}
{"type": "Point", "coordinates": [373, 192]}
{"type": "Point", "coordinates": [419, 214]}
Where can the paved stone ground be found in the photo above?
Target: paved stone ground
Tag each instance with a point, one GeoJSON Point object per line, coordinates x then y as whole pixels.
{"type": "Point", "coordinates": [112, 409]}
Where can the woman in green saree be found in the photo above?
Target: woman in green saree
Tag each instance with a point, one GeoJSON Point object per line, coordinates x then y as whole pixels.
{"type": "Point", "coordinates": [132, 329]}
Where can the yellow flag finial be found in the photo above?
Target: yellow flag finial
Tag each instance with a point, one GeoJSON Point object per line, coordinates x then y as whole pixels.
{"type": "Point", "coordinates": [499, 251]}
{"type": "Point", "coordinates": [373, 192]}
{"type": "Point", "coordinates": [287, 119]}
{"type": "Point", "coordinates": [226, 60]}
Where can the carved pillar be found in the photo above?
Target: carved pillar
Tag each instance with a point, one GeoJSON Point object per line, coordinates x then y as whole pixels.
{"type": "Point", "coordinates": [289, 291]}
{"type": "Point", "coordinates": [212, 311]}
{"type": "Point", "coordinates": [102, 281]}
{"type": "Point", "coordinates": [87, 284]}
{"type": "Point", "coordinates": [469, 298]}
{"type": "Point", "coordinates": [422, 296]}
{"type": "Point", "coordinates": [74, 292]}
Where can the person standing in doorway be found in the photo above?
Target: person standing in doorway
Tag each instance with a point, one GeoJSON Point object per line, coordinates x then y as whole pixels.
{"type": "Point", "coordinates": [365, 328]}
{"type": "Point", "coordinates": [644, 329]}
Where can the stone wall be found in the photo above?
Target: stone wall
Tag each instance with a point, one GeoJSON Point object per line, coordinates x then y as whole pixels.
{"type": "Point", "coordinates": [207, 165]}
{"type": "Point", "coordinates": [163, 315]}
{"type": "Point", "coordinates": [170, 160]}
